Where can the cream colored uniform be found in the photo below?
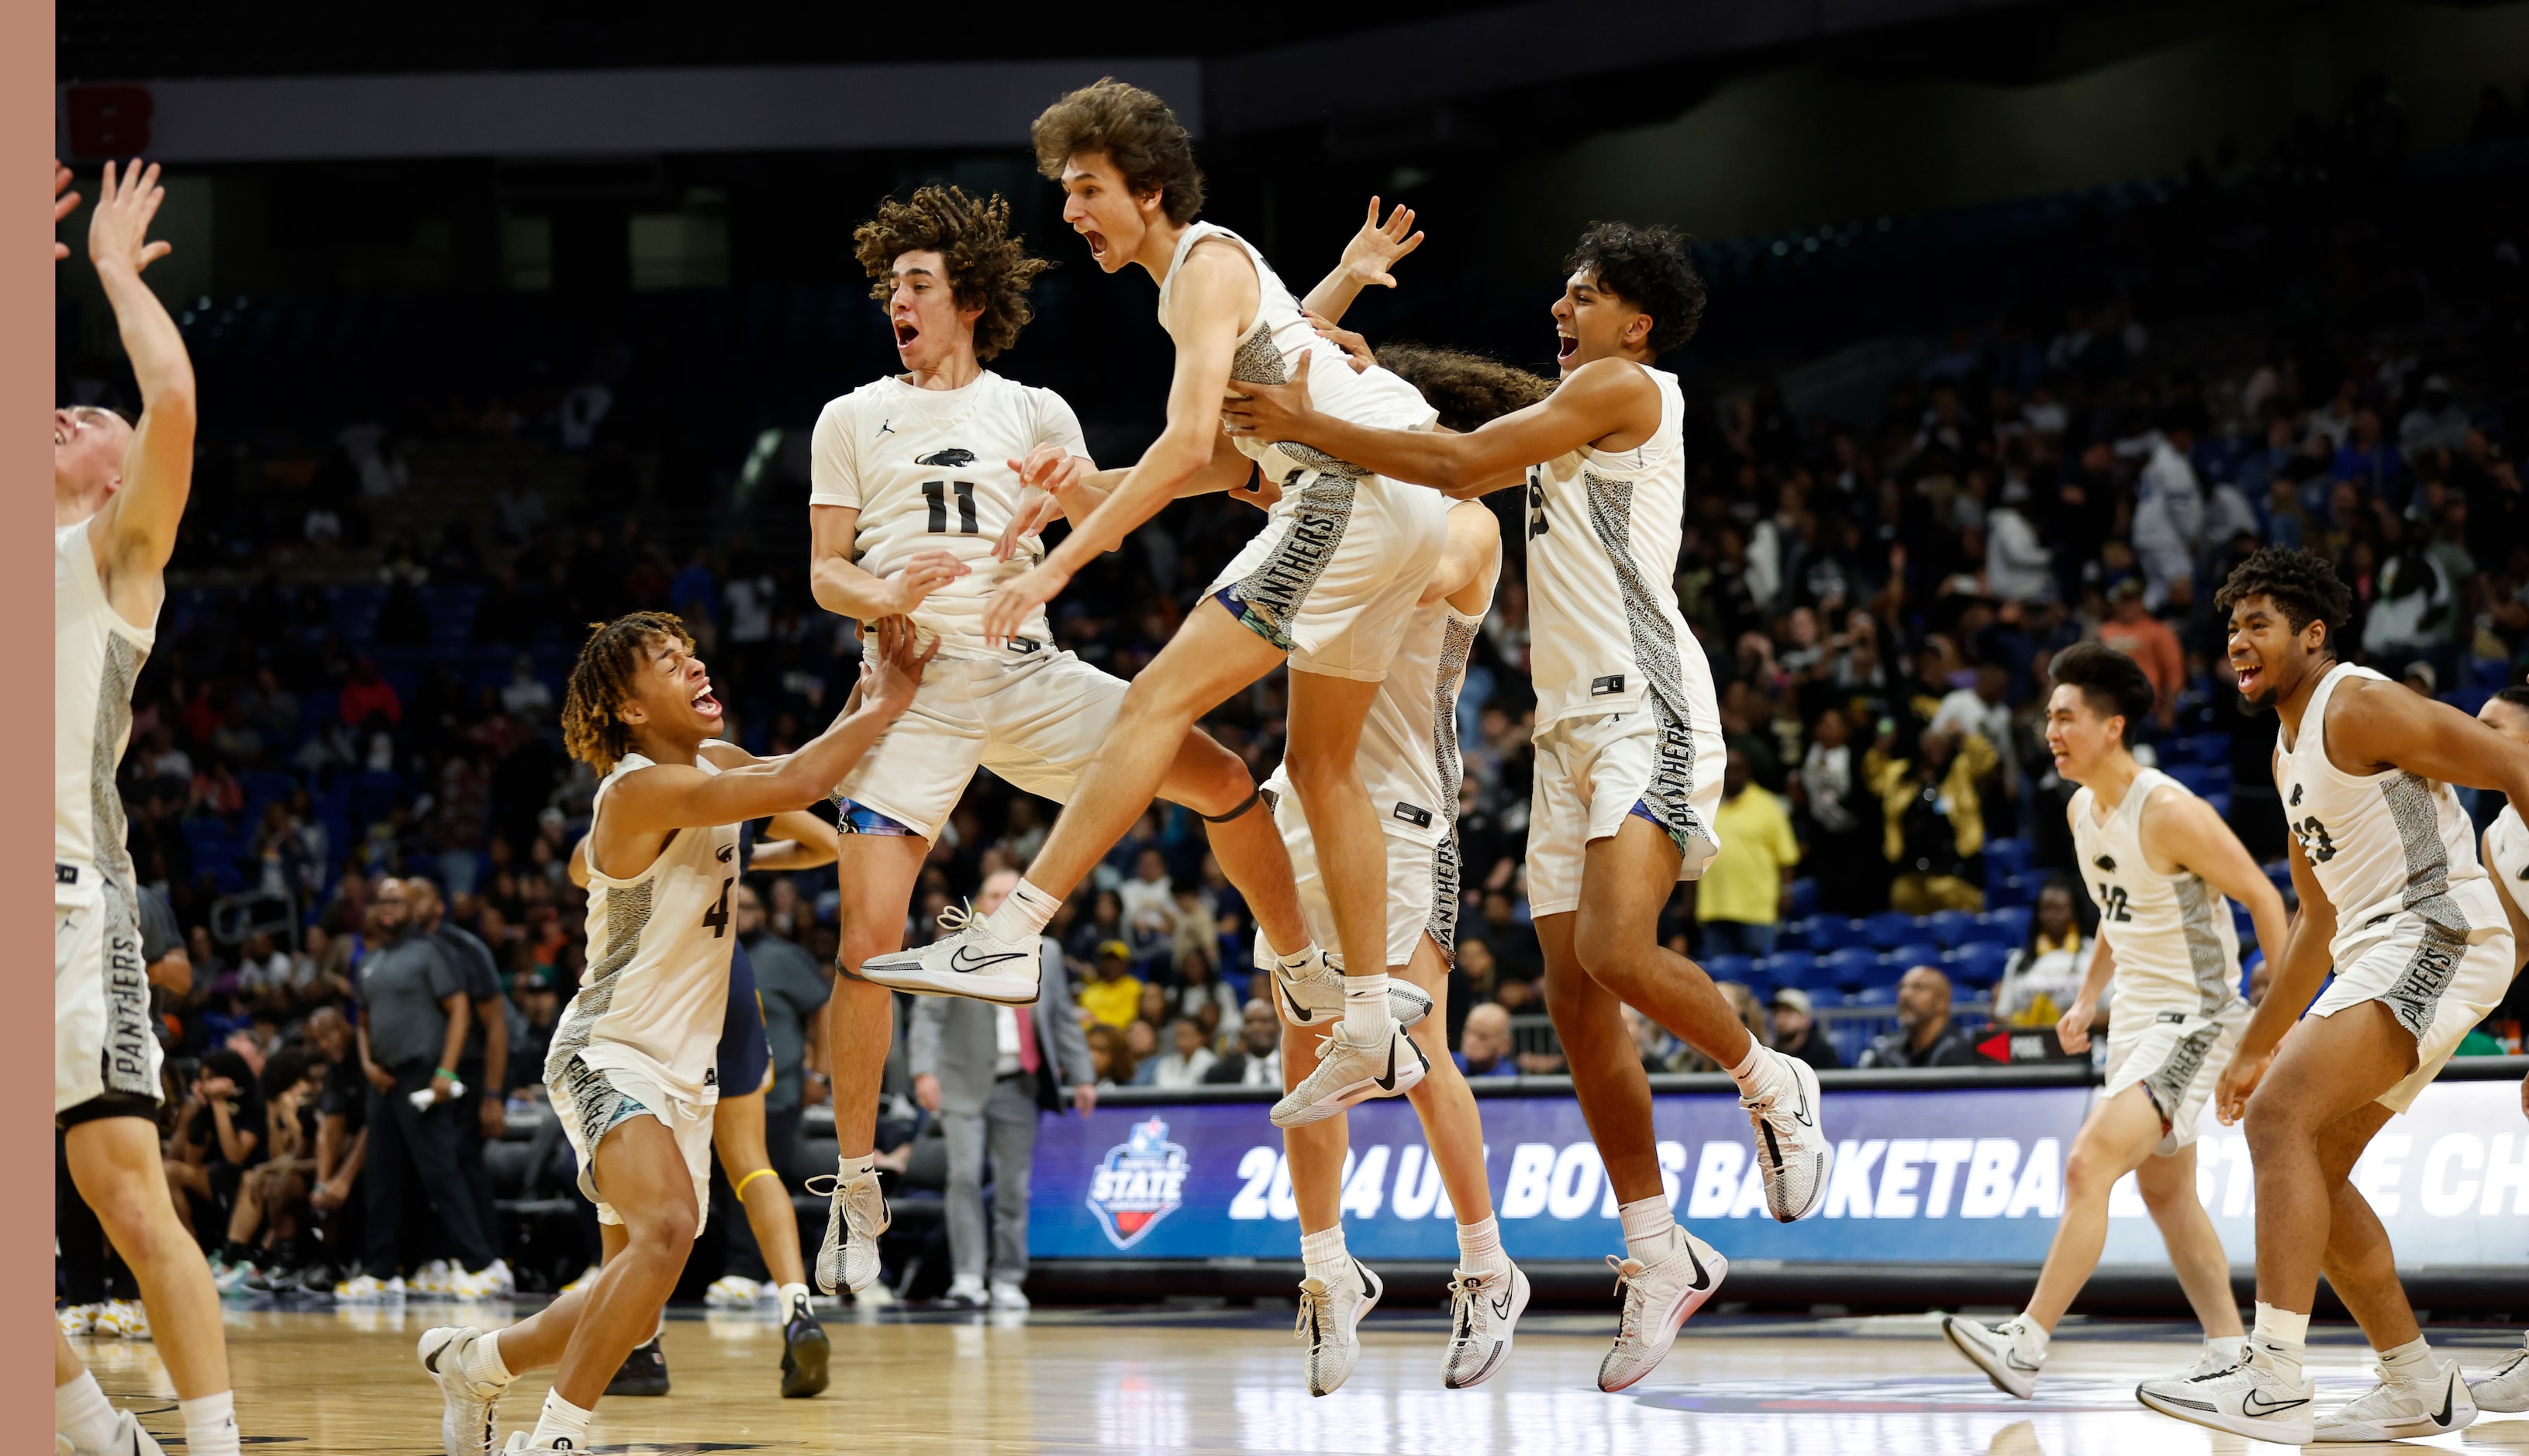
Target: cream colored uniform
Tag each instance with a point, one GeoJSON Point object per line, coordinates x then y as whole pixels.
{"type": "Point", "coordinates": [2507, 858]}
{"type": "Point", "coordinates": [1334, 576]}
{"type": "Point", "coordinates": [642, 1035]}
{"type": "Point", "coordinates": [103, 1041]}
{"type": "Point", "coordinates": [928, 470]}
{"type": "Point", "coordinates": [2418, 928]}
{"type": "Point", "coordinates": [1408, 761]}
{"type": "Point", "coordinates": [2178, 1014]}
{"type": "Point", "coordinates": [1627, 720]}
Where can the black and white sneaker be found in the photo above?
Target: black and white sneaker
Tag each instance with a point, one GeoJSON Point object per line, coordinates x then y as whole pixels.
{"type": "Point", "coordinates": [1331, 1315]}
{"type": "Point", "coordinates": [804, 1352]}
{"type": "Point", "coordinates": [1658, 1297]}
{"type": "Point", "coordinates": [1312, 995]}
{"type": "Point", "coordinates": [1484, 1306]}
{"type": "Point", "coordinates": [2402, 1410]}
{"type": "Point", "coordinates": [2003, 1352]}
{"type": "Point", "coordinates": [644, 1371]}
{"type": "Point", "coordinates": [2505, 1387]}
{"type": "Point", "coordinates": [1348, 1072]}
{"type": "Point", "coordinates": [2251, 1398]}
{"type": "Point", "coordinates": [1790, 1148]}
{"type": "Point", "coordinates": [967, 961]}
{"type": "Point", "coordinates": [468, 1408]}
{"type": "Point", "coordinates": [847, 1261]}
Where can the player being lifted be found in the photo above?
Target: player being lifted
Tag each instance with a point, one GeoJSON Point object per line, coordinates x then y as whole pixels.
{"type": "Point", "coordinates": [2505, 1387]}
{"type": "Point", "coordinates": [2158, 862]}
{"type": "Point", "coordinates": [1629, 747]}
{"type": "Point", "coordinates": [915, 484]}
{"type": "Point", "coordinates": [1329, 585]}
{"type": "Point", "coordinates": [632, 1073]}
{"type": "Point", "coordinates": [119, 493]}
{"type": "Point", "coordinates": [2393, 899]}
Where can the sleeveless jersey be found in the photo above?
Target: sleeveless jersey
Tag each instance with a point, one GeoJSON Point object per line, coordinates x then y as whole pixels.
{"type": "Point", "coordinates": [2176, 946]}
{"type": "Point", "coordinates": [928, 470]}
{"type": "Point", "coordinates": [96, 655]}
{"type": "Point", "coordinates": [1409, 742]}
{"type": "Point", "coordinates": [2382, 844]}
{"type": "Point", "coordinates": [2507, 855]}
{"type": "Point", "coordinates": [656, 992]}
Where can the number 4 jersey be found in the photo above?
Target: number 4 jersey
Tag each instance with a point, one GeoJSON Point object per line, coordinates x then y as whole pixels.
{"type": "Point", "coordinates": [656, 991]}
{"type": "Point", "coordinates": [928, 470]}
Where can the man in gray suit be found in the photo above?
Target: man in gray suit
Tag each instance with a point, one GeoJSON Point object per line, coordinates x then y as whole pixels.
{"type": "Point", "coordinates": [988, 1072]}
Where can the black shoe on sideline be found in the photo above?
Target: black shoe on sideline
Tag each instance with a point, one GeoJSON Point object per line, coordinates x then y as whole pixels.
{"type": "Point", "coordinates": [644, 1371]}
{"type": "Point", "coordinates": [803, 1354]}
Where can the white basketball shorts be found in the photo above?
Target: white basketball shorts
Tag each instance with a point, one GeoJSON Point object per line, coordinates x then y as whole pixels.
{"type": "Point", "coordinates": [2437, 985]}
{"type": "Point", "coordinates": [1417, 873]}
{"type": "Point", "coordinates": [1035, 720]}
{"type": "Point", "coordinates": [2177, 1056]}
{"type": "Point", "coordinates": [103, 1041]}
{"type": "Point", "coordinates": [1592, 773]}
{"type": "Point", "coordinates": [1334, 576]}
{"type": "Point", "coordinates": [592, 1101]}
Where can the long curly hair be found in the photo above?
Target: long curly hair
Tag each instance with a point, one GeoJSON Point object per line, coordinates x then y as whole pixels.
{"type": "Point", "coordinates": [1467, 389]}
{"type": "Point", "coordinates": [2302, 585]}
{"type": "Point", "coordinates": [988, 268]}
{"type": "Point", "coordinates": [593, 728]}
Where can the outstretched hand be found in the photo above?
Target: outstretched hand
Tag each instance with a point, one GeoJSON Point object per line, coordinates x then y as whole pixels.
{"type": "Point", "coordinates": [1048, 472]}
{"type": "Point", "coordinates": [63, 202]}
{"type": "Point", "coordinates": [1008, 609]}
{"type": "Point", "coordinates": [900, 659]}
{"type": "Point", "coordinates": [1356, 348]}
{"type": "Point", "coordinates": [1378, 245]}
{"type": "Point", "coordinates": [925, 572]}
{"type": "Point", "coordinates": [118, 230]}
{"type": "Point", "coordinates": [2238, 1082]}
{"type": "Point", "coordinates": [1268, 411]}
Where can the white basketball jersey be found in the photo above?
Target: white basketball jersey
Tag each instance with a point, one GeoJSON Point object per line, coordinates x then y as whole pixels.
{"type": "Point", "coordinates": [1409, 743]}
{"type": "Point", "coordinates": [2176, 948]}
{"type": "Point", "coordinates": [928, 470]}
{"type": "Point", "coordinates": [2507, 858]}
{"type": "Point", "coordinates": [96, 655]}
{"type": "Point", "coordinates": [657, 987]}
{"type": "Point", "coordinates": [1604, 532]}
{"type": "Point", "coordinates": [2382, 844]}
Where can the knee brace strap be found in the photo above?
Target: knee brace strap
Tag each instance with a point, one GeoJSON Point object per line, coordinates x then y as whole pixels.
{"type": "Point", "coordinates": [1253, 796]}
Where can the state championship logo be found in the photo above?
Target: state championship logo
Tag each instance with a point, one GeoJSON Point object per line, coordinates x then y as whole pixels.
{"type": "Point", "coordinates": [1138, 1184]}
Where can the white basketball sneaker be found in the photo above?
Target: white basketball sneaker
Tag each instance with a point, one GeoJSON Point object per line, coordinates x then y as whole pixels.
{"type": "Point", "coordinates": [2003, 1352]}
{"type": "Point", "coordinates": [2505, 1387]}
{"type": "Point", "coordinates": [1789, 1147]}
{"type": "Point", "coordinates": [1348, 1072]}
{"type": "Point", "coordinates": [1484, 1306]}
{"type": "Point", "coordinates": [967, 961]}
{"type": "Point", "coordinates": [2208, 1360]}
{"type": "Point", "coordinates": [468, 1406]}
{"type": "Point", "coordinates": [733, 1292]}
{"type": "Point", "coordinates": [1658, 1298]}
{"type": "Point", "coordinates": [2251, 1398]}
{"type": "Point", "coordinates": [1313, 994]}
{"type": "Point", "coordinates": [129, 1440]}
{"type": "Point", "coordinates": [848, 1259]}
{"type": "Point", "coordinates": [2400, 1409]}
{"type": "Point", "coordinates": [1330, 1317]}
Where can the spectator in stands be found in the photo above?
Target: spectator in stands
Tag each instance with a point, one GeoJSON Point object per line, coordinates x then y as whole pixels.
{"type": "Point", "coordinates": [1516, 956]}
{"type": "Point", "coordinates": [525, 696]}
{"type": "Point", "coordinates": [1110, 1056]}
{"type": "Point", "coordinates": [1739, 898]}
{"type": "Point", "coordinates": [793, 989]}
{"type": "Point", "coordinates": [1838, 822]}
{"type": "Point", "coordinates": [2169, 518]}
{"type": "Point", "coordinates": [1115, 997]}
{"type": "Point", "coordinates": [2043, 977]}
{"type": "Point", "coordinates": [2131, 630]}
{"type": "Point", "coordinates": [1797, 1032]}
{"type": "Point", "coordinates": [538, 992]}
{"type": "Point", "coordinates": [340, 1153]}
{"type": "Point", "coordinates": [1656, 1049]}
{"type": "Point", "coordinates": [1188, 1057]}
{"type": "Point", "coordinates": [1199, 992]}
{"type": "Point", "coordinates": [1925, 1036]}
{"type": "Point", "coordinates": [1934, 821]}
{"type": "Point", "coordinates": [2018, 566]}
{"type": "Point", "coordinates": [368, 695]}
{"type": "Point", "coordinates": [1142, 1040]}
{"type": "Point", "coordinates": [1485, 1046]}
{"type": "Point", "coordinates": [220, 1133]}
{"type": "Point", "coordinates": [1257, 1061]}
{"type": "Point", "coordinates": [483, 1068]}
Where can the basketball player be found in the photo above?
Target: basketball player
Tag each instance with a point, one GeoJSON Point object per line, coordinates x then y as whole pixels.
{"type": "Point", "coordinates": [1329, 585]}
{"type": "Point", "coordinates": [915, 486]}
{"type": "Point", "coordinates": [1628, 748]}
{"type": "Point", "coordinates": [744, 1059]}
{"type": "Point", "coordinates": [2393, 899]}
{"type": "Point", "coordinates": [632, 1072]}
{"type": "Point", "coordinates": [2505, 1388]}
{"type": "Point", "coordinates": [119, 493]}
{"type": "Point", "coordinates": [2157, 860]}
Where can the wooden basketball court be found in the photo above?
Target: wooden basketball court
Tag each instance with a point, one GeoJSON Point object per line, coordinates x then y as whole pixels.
{"type": "Point", "coordinates": [1227, 1380]}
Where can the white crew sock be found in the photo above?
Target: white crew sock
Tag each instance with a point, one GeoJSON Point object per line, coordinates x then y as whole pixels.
{"type": "Point", "coordinates": [794, 1297]}
{"type": "Point", "coordinates": [1479, 1245]}
{"type": "Point", "coordinates": [1297, 960]}
{"type": "Point", "coordinates": [2031, 1337]}
{"type": "Point", "coordinates": [210, 1424]}
{"type": "Point", "coordinates": [1756, 1074]}
{"type": "Point", "coordinates": [660, 1327]}
{"type": "Point", "coordinates": [848, 1168]}
{"type": "Point", "coordinates": [483, 1364]}
{"type": "Point", "coordinates": [1322, 1254]}
{"type": "Point", "coordinates": [81, 1412]}
{"type": "Point", "coordinates": [1651, 1228]}
{"type": "Point", "coordinates": [1366, 1019]}
{"type": "Point", "coordinates": [1022, 917]}
{"type": "Point", "coordinates": [561, 1421]}
{"type": "Point", "coordinates": [2282, 1335]}
{"type": "Point", "coordinates": [2410, 1361]}
{"type": "Point", "coordinates": [2230, 1349]}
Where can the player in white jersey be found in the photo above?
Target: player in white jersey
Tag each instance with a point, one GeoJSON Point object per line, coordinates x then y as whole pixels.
{"type": "Point", "coordinates": [632, 1070]}
{"type": "Point", "coordinates": [1629, 749]}
{"type": "Point", "coordinates": [2393, 899]}
{"type": "Point", "coordinates": [2158, 862]}
{"type": "Point", "coordinates": [917, 507]}
{"type": "Point", "coordinates": [2505, 1387]}
{"type": "Point", "coordinates": [119, 493]}
{"type": "Point", "coordinates": [1328, 585]}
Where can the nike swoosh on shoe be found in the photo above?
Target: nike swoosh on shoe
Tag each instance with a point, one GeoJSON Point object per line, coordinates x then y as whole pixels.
{"type": "Point", "coordinates": [1388, 1082]}
{"type": "Point", "coordinates": [962, 960]}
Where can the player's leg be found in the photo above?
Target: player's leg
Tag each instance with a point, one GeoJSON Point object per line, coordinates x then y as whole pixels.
{"type": "Point", "coordinates": [81, 1412]}
{"type": "Point", "coordinates": [115, 1164]}
{"type": "Point", "coordinates": [643, 1174]}
{"type": "Point", "coordinates": [2418, 1394]}
{"type": "Point", "coordinates": [737, 1136]}
{"type": "Point", "coordinates": [2170, 1194]}
{"type": "Point", "coordinates": [1215, 783]}
{"type": "Point", "coordinates": [876, 875]}
{"type": "Point", "coordinates": [1337, 1291]}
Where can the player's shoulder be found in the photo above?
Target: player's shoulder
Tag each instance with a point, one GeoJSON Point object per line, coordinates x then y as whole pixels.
{"type": "Point", "coordinates": [845, 406]}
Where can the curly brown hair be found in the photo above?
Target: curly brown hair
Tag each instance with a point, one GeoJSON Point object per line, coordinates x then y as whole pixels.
{"type": "Point", "coordinates": [1467, 389]}
{"type": "Point", "coordinates": [601, 683]}
{"type": "Point", "coordinates": [2302, 585]}
{"type": "Point", "coordinates": [1134, 130]}
{"type": "Point", "coordinates": [988, 268]}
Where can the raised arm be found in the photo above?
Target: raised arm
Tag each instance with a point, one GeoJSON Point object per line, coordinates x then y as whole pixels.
{"type": "Point", "coordinates": [1605, 399]}
{"type": "Point", "coordinates": [2381, 726]}
{"type": "Point", "coordinates": [1366, 260]}
{"type": "Point", "coordinates": [135, 532]}
{"type": "Point", "coordinates": [2183, 829]}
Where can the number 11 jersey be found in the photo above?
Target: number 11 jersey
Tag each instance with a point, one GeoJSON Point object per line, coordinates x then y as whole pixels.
{"type": "Point", "coordinates": [928, 470]}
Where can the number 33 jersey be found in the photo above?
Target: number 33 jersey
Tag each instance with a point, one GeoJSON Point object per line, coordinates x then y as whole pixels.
{"type": "Point", "coordinates": [928, 470]}
{"type": "Point", "coordinates": [656, 991]}
{"type": "Point", "coordinates": [2176, 948]}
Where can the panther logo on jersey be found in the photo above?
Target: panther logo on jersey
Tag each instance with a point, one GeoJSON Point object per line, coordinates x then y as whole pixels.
{"type": "Point", "coordinates": [2107, 862]}
{"type": "Point", "coordinates": [948, 459]}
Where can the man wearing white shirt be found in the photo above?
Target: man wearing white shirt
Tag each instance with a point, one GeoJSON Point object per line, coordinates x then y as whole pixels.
{"type": "Point", "coordinates": [2168, 519]}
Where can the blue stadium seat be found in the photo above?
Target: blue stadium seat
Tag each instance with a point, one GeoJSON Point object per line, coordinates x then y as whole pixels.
{"type": "Point", "coordinates": [2205, 748]}
{"type": "Point", "coordinates": [1794, 968]}
{"type": "Point", "coordinates": [2005, 857]}
{"type": "Point", "coordinates": [2012, 921]}
{"type": "Point", "coordinates": [2220, 800]}
{"type": "Point", "coordinates": [2201, 779]}
{"type": "Point", "coordinates": [1952, 928]}
{"type": "Point", "coordinates": [1873, 995]}
{"type": "Point", "coordinates": [2012, 889]}
{"type": "Point", "coordinates": [1804, 897]}
{"type": "Point", "coordinates": [1729, 967]}
{"type": "Point", "coordinates": [1827, 932]}
{"type": "Point", "coordinates": [1978, 965]}
{"type": "Point", "coordinates": [1850, 968]}
{"type": "Point", "coordinates": [1889, 929]}
{"type": "Point", "coordinates": [1920, 953]}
